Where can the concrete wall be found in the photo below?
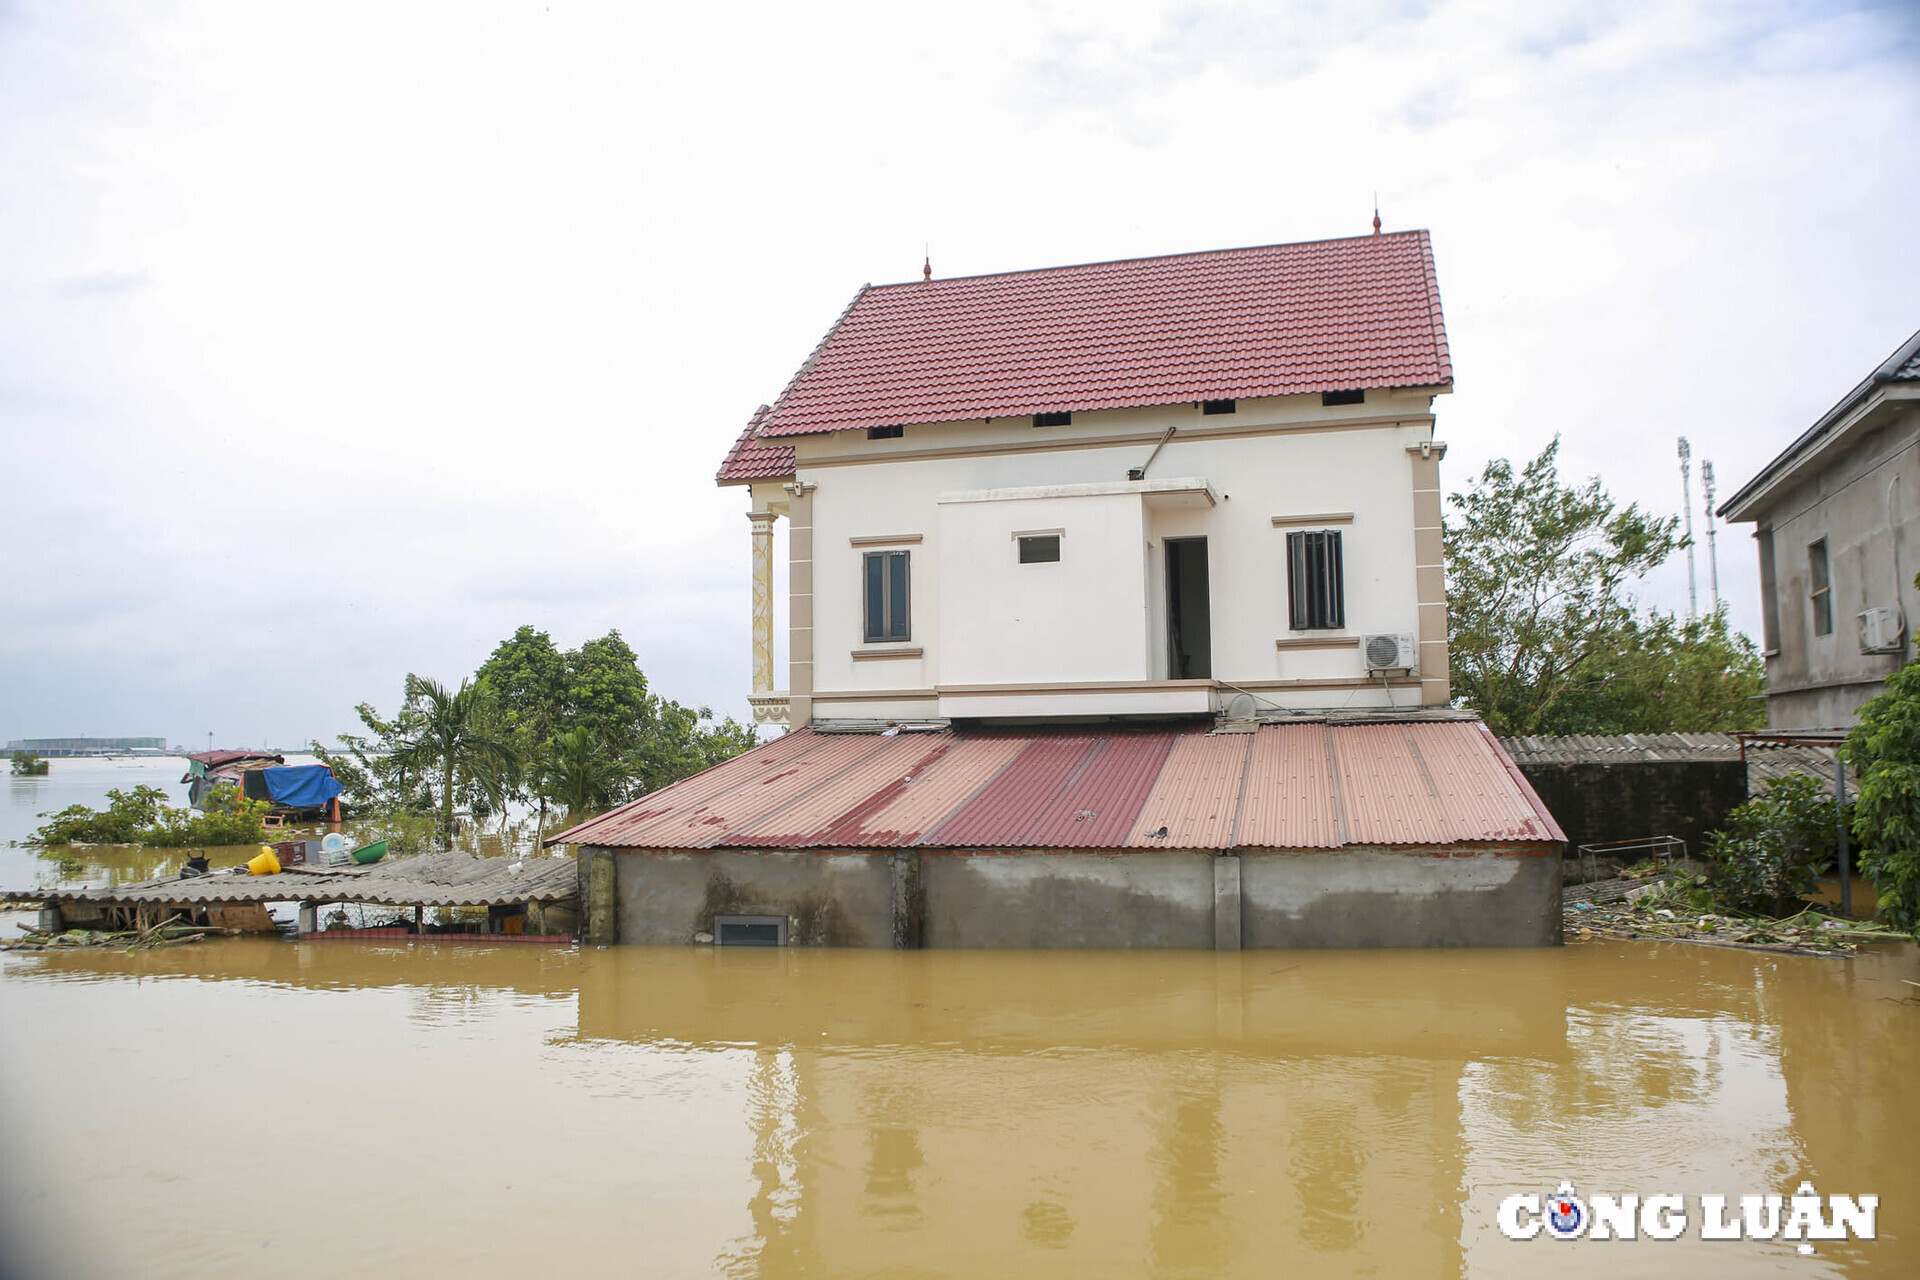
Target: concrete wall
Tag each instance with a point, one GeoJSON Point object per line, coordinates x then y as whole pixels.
{"type": "Point", "coordinates": [1864, 501]}
{"type": "Point", "coordinates": [835, 900]}
{"type": "Point", "coordinates": [1034, 900]}
{"type": "Point", "coordinates": [1594, 803]}
{"type": "Point", "coordinates": [1382, 898]}
{"type": "Point", "coordinates": [976, 610]}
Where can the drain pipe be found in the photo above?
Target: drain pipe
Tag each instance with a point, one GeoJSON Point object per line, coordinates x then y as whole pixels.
{"type": "Point", "coordinates": [1140, 472]}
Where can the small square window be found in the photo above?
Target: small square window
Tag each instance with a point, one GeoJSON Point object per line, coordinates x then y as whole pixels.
{"type": "Point", "coordinates": [1218, 406]}
{"type": "Point", "coordinates": [885, 433]}
{"type": "Point", "coordinates": [1052, 419]}
{"type": "Point", "coordinates": [1331, 398]}
{"type": "Point", "coordinates": [1040, 548]}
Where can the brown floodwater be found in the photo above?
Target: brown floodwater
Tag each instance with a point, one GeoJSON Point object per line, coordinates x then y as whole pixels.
{"type": "Point", "coordinates": [260, 1106]}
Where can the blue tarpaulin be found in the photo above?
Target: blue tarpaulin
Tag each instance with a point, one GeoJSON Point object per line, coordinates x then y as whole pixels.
{"type": "Point", "coordinates": [301, 786]}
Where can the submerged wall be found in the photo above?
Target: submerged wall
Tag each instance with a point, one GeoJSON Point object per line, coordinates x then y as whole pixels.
{"type": "Point", "coordinates": [1354, 897]}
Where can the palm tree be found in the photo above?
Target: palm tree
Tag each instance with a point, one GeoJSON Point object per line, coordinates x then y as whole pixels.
{"type": "Point", "coordinates": [457, 735]}
{"type": "Point", "coordinates": [580, 772]}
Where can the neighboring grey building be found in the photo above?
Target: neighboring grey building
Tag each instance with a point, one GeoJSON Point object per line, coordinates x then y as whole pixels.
{"type": "Point", "coordinates": [1837, 519]}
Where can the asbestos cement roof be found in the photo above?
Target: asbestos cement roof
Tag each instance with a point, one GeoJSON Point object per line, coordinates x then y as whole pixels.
{"type": "Point", "coordinates": [1299, 785]}
{"type": "Point", "coordinates": [430, 880]}
{"type": "Point", "coordinates": [1285, 319]}
{"type": "Point", "coordinates": [1765, 760]}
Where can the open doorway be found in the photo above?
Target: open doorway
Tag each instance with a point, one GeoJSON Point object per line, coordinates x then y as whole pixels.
{"type": "Point", "coordinates": [1189, 631]}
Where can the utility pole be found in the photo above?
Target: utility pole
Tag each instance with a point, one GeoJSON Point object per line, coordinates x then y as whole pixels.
{"type": "Point", "coordinates": [1713, 559]}
{"type": "Point", "coordinates": [1686, 506]}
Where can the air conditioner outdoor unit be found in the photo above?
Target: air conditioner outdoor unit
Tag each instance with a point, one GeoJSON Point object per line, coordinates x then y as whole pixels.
{"type": "Point", "coordinates": [1390, 652]}
{"type": "Point", "coordinates": [1883, 631]}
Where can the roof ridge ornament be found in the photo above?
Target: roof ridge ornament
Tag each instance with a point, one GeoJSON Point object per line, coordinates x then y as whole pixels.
{"type": "Point", "coordinates": [1376, 213]}
{"type": "Point", "coordinates": [926, 266]}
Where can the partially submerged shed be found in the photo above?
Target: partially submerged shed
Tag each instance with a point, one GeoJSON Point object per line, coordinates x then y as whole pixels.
{"type": "Point", "coordinates": [1319, 831]}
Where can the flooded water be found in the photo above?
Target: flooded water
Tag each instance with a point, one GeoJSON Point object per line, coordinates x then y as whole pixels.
{"type": "Point", "coordinates": [258, 1106]}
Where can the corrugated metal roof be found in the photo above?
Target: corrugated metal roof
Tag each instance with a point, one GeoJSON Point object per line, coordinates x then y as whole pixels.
{"type": "Point", "coordinates": [1283, 319]}
{"type": "Point", "coordinates": [1313, 785]}
{"type": "Point", "coordinates": [433, 880]}
{"type": "Point", "coordinates": [1765, 760]}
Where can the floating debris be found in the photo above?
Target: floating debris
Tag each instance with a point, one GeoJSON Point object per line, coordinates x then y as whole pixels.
{"type": "Point", "coordinates": [1671, 911]}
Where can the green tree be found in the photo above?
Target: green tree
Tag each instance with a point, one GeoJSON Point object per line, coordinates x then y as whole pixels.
{"type": "Point", "coordinates": [457, 735]}
{"type": "Point", "coordinates": [529, 679]}
{"type": "Point", "coordinates": [606, 692]}
{"type": "Point", "coordinates": [578, 773]}
{"type": "Point", "coordinates": [1774, 848]}
{"type": "Point", "coordinates": [28, 765]}
{"type": "Point", "coordinates": [1545, 637]}
{"type": "Point", "coordinates": [1884, 750]}
{"type": "Point", "coordinates": [1662, 674]}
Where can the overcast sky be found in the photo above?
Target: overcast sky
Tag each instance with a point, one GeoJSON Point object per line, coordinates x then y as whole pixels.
{"type": "Point", "coordinates": [338, 340]}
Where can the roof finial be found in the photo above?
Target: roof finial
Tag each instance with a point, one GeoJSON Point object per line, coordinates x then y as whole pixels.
{"type": "Point", "coordinates": [926, 268]}
{"type": "Point", "coordinates": [1376, 213]}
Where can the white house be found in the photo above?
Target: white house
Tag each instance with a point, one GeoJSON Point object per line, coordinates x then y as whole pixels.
{"type": "Point", "coordinates": [1159, 486]}
{"type": "Point", "coordinates": [1116, 619]}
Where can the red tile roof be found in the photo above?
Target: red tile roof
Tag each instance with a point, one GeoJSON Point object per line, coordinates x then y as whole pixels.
{"type": "Point", "coordinates": [1308, 785]}
{"type": "Point", "coordinates": [1287, 319]}
{"type": "Point", "coordinates": [752, 458]}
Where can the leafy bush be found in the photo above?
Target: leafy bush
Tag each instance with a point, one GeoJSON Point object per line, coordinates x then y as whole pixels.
{"type": "Point", "coordinates": [1885, 751]}
{"type": "Point", "coordinates": [142, 816]}
{"type": "Point", "coordinates": [28, 765]}
{"type": "Point", "coordinates": [1774, 848]}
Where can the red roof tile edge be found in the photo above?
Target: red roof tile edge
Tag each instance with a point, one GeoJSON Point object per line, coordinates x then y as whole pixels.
{"type": "Point", "coordinates": [752, 458]}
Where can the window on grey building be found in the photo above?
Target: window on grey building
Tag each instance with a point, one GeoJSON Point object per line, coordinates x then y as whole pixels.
{"type": "Point", "coordinates": [1316, 589]}
{"type": "Point", "coordinates": [1769, 594]}
{"type": "Point", "coordinates": [1039, 548]}
{"type": "Point", "coordinates": [1819, 588]}
{"type": "Point", "coordinates": [886, 595]}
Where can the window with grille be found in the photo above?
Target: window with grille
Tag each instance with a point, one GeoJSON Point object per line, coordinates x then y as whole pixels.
{"type": "Point", "coordinates": [886, 596]}
{"type": "Point", "coordinates": [1820, 588]}
{"type": "Point", "coordinates": [1316, 590]}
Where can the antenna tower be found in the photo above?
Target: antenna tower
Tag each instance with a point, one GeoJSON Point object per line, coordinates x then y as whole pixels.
{"type": "Point", "coordinates": [1686, 506]}
{"type": "Point", "coordinates": [1713, 560]}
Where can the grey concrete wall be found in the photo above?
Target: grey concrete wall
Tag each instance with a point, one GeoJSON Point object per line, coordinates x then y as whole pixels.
{"type": "Point", "coordinates": [1379, 898]}
{"type": "Point", "coordinates": [837, 900]}
{"type": "Point", "coordinates": [1042, 900]}
{"type": "Point", "coordinates": [1865, 503]}
{"type": "Point", "coordinates": [1153, 898]}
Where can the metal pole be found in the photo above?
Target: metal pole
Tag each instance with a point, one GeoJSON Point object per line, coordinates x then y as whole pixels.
{"type": "Point", "coordinates": [1713, 560]}
{"type": "Point", "coordinates": [1686, 508]}
{"type": "Point", "coordinates": [1840, 832]}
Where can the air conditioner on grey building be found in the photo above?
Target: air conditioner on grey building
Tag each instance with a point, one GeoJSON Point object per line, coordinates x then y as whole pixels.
{"type": "Point", "coordinates": [1390, 652]}
{"type": "Point", "coordinates": [1883, 631]}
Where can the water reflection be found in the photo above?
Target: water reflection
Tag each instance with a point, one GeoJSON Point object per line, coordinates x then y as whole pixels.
{"type": "Point", "coordinates": [799, 1113]}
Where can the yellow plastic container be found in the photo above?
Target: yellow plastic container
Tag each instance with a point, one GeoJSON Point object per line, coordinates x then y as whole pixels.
{"type": "Point", "coordinates": [265, 863]}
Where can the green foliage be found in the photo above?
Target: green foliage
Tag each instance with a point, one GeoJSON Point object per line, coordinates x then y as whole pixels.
{"type": "Point", "coordinates": [1545, 637]}
{"type": "Point", "coordinates": [1775, 847]}
{"type": "Point", "coordinates": [574, 728]}
{"type": "Point", "coordinates": [1662, 674]}
{"type": "Point", "coordinates": [1884, 750]}
{"type": "Point", "coordinates": [28, 765]}
{"type": "Point", "coordinates": [142, 816]}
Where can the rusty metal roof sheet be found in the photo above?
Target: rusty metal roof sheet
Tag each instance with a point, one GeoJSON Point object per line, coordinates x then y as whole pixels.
{"type": "Point", "coordinates": [1312, 785]}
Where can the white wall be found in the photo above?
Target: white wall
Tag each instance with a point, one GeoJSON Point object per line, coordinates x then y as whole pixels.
{"type": "Point", "coordinates": [980, 617]}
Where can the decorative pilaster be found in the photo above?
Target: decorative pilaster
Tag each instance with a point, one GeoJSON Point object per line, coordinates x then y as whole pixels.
{"type": "Point", "coordinates": [1429, 559]}
{"type": "Point", "coordinates": [762, 600]}
{"type": "Point", "coordinates": [800, 603]}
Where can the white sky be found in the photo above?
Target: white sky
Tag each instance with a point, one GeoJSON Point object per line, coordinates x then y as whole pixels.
{"type": "Point", "coordinates": [338, 340]}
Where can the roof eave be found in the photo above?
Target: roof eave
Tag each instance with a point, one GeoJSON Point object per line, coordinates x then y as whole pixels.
{"type": "Point", "coordinates": [1866, 406]}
